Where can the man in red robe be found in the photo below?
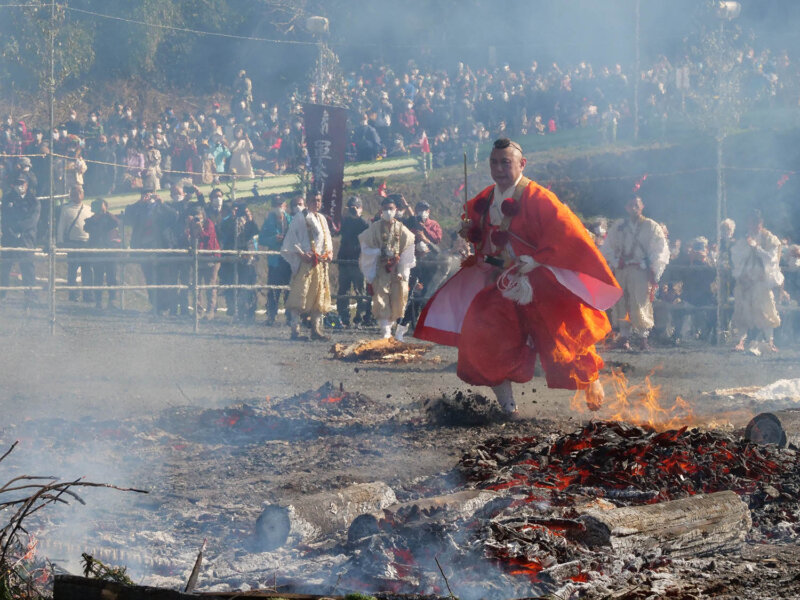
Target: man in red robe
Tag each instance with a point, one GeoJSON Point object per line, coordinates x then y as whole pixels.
{"type": "Point", "coordinates": [536, 286]}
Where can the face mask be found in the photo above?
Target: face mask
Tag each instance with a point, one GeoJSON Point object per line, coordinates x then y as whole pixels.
{"type": "Point", "coordinates": [296, 209]}
{"type": "Point", "coordinates": [94, 119]}
{"type": "Point", "coordinates": [21, 189]}
{"type": "Point", "coordinates": [124, 139]}
{"type": "Point", "coordinates": [388, 215]}
{"type": "Point", "coordinates": [216, 203]}
{"type": "Point", "coordinates": [425, 214]}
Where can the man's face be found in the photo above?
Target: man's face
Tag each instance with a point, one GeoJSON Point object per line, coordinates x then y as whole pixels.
{"type": "Point", "coordinates": [314, 203]}
{"type": "Point", "coordinates": [506, 165]}
{"type": "Point", "coordinates": [634, 208]}
{"type": "Point", "coordinates": [298, 206]}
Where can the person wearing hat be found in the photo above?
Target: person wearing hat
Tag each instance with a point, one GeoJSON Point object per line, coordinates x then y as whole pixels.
{"type": "Point", "coordinates": [19, 216]}
{"type": "Point", "coordinates": [351, 279]}
{"type": "Point", "coordinates": [279, 273]}
{"type": "Point", "coordinates": [308, 249]}
{"type": "Point", "coordinates": [23, 168]}
{"type": "Point", "coordinates": [638, 252]}
{"type": "Point", "coordinates": [387, 257]}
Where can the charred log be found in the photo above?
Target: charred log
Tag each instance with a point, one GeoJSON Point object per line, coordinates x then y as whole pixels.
{"type": "Point", "coordinates": [459, 505]}
{"type": "Point", "coordinates": [780, 428]}
{"type": "Point", "coordinates": [316, 515]}
{"type": "Point", "coordinates": [693, 526]}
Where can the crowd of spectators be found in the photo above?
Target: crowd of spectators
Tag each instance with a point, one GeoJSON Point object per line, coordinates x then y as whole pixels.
{"type": "Point", "coordinates": [392, 111]}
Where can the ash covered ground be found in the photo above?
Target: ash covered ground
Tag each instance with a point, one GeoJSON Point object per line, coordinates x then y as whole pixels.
{"type": "Point", "coordinates": [216, 424]}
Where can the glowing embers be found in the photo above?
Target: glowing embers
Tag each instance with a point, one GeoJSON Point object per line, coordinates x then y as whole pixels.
{"type": "Point", "coordinates": [638, 404]}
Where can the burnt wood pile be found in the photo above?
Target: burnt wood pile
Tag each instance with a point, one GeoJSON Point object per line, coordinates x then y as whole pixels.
{"type": "Point", "coordinates": [575, 512]}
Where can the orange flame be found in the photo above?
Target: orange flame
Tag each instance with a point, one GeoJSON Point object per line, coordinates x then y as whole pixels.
{"type": "Point", "coordinates": [639, 404]}
{"type": "Point", "coordinates": [331, 399]}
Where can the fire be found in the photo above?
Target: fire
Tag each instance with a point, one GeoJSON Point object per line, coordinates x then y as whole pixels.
{"type": "Point", "coordinates": [331, 399]}
{"type": "Point", "coordinates": [639, 404]}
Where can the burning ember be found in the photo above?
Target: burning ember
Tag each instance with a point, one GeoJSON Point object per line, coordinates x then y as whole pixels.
{"type": "Point", "coordinates": [533, 538]}
{"type": "Point", "coordinates": [638, 404]}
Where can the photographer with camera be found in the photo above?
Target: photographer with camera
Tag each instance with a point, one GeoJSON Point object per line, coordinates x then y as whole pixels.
{"type": "Point", "coordinates": [201, 230]}
{"type": "Point", "coordinates": [427, 237]}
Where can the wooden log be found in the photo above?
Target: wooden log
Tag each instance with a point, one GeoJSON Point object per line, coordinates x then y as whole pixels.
{"type": "Point", "coordinates": [692, 526]}
{"type": "Point", "coordinates": [458, 505]}
{"type": "Point", "coordinates": [72, 587]}
{"type": "Point", "coordinates": [313, 516]}
{"type": "Point", "coordinates": [781, 428]}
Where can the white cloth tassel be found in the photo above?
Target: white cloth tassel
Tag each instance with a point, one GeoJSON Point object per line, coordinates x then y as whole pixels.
{"type": "Point", "coordinates": [515, 287]}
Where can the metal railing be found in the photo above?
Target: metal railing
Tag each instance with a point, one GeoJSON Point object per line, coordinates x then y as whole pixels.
{"type": "Point", "coordinates": [155, 256]}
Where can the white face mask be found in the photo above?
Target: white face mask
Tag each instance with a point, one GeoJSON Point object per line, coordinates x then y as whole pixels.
{"type": "Point", "coordinates": [425, 214]}
{"type": "Point", "coordinates": [216, 203]}
{"type": "Point", "coordinates": [21, 189]}
{"type": "Point", "coordinates": [296, 209]}
{"type": "Point", "coordinates": [388, 214]}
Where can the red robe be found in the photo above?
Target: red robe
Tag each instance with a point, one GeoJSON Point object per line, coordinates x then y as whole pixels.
{"type": "Point", "coordinates": [499, 339]}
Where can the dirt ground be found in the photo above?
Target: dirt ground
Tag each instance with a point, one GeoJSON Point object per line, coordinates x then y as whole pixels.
{"type": "Point", "coordinates": [124, 397]}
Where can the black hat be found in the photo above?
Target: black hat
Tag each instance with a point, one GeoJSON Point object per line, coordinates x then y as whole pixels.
{"type": "Point", "coordinates": [354, 202]}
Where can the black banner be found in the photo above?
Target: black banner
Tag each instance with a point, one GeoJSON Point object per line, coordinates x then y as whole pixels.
{"type": "Point", "coordinates": [326, 138]}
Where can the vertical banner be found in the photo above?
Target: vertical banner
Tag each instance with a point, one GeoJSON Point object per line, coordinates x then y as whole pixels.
{"type": "Point", "coordinates": [326, 138]}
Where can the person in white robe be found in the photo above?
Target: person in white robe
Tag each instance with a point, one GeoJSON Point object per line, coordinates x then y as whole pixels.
{"type": "Point", "coordinates": [386, 260]}
{"type": "Point", "coordinates": [638, 252]}
{"type": "Point", "coordinates": [756, 272]}
{"type": "Point", "coordinates": [308, 249]}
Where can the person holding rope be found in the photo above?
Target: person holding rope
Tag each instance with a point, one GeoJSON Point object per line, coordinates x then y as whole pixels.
{"type": "Point", "coordinates": [536, 286]}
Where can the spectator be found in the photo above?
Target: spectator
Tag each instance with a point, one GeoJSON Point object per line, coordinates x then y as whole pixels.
{"type": "Point", "coordinates": [75, 167]}
{"type": "Point", "coordinates": [236, 232]}
{"type": "Point", "coordinates": [70, 233]}
{"type": "Point", "coordinates": [367, 141]}
{"type": "Point", "coordinates": [19, 217]}
{"type": "Point", "coordinates": [153, 224]}
{"type": "Point", "coordinates": [351, 279]}
{"type": "Point", "coordinates": [240, 154]}
{"type": "Point", "coordinates": [271, 236]}
{"type": "Point", "coordinates": [200, 231]}
{"type": "Point", "coordinates": [104, 232]}
{"type": "Point", "coordinates": [427, 238]}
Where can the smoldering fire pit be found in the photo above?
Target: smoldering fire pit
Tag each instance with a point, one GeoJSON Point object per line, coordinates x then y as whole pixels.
{"type": "Point", "coordinates": [607, 509]}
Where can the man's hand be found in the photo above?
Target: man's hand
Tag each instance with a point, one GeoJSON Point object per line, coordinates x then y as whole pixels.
{"type": "Point", "coordinates": [390, 263]}
{"type": "Point", "coordinates": [370, 290]}
{"type": "Point", "coordinates": [595, 396]}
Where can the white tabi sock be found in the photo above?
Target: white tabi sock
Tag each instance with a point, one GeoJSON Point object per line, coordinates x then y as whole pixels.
{"type": "Point", "coordinates": [505, 396]}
